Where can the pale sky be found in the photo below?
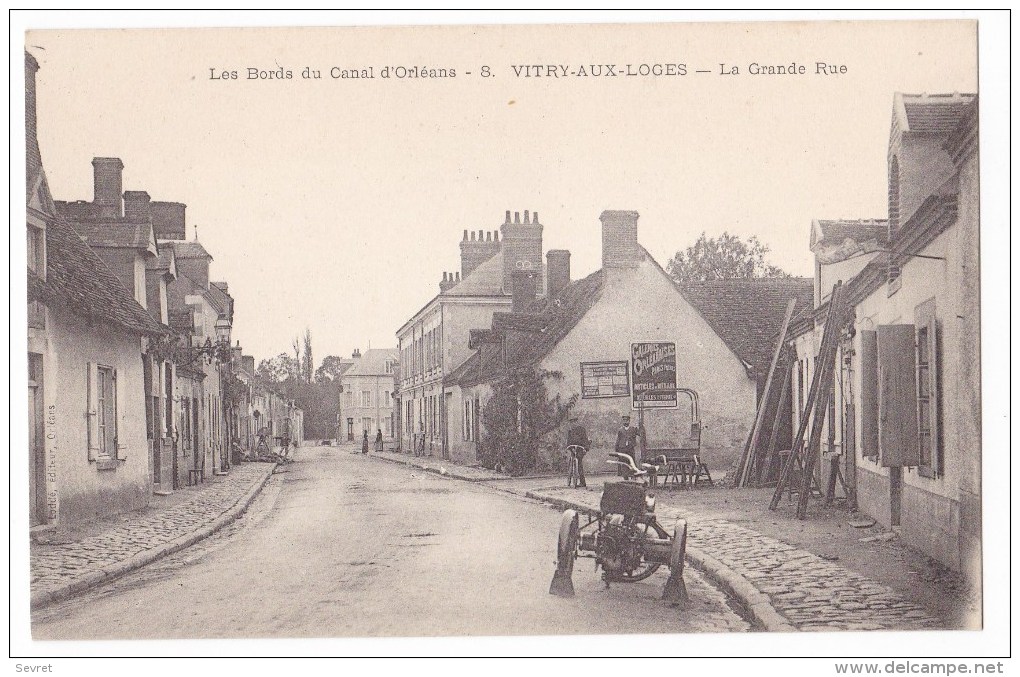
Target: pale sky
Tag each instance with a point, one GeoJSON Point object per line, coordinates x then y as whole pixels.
{"type": "Point", "coordinates": [338, 204]}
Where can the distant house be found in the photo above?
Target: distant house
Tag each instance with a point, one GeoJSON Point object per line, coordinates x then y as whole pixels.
{"type": "Point", "coordinates": [905, 420]}
{"type": "Point", "coordinates": [609, 334]}
{"type": "Point", "coordinates": [87, 331]}
{"type": "Point", "coordinates": [434, 340]}
{"type": "Point", "coordinates": [366, 395]}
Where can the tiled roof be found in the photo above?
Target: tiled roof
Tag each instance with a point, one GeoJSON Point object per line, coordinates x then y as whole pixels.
{"type": "Point", "coordinates": [531, 334]}
{"type": "Point", "coordinates": [163, 261]}
{"type": "Point", "coordinates": [119, 235]}
{"type": "Point", "coordinates": [748, 314]}
{"type": "Point", "coordinates": [220, 300]}
{"type": "Point", "coordinates": [76, 278]}
{"type": "Point", "coordinates": [934, 113]}
{"type": "Point", "coordinates": [966, 131]}
{"type": "Point", "coordinates": [373, 362]}
{"type": "Point", "coordinates": [838, 231]}
{"type": "Point", "coordinates": [190, 249]}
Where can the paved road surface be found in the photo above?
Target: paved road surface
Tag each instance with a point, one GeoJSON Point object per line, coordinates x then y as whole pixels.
{"type": "Point", "coordinates": [343, 545]}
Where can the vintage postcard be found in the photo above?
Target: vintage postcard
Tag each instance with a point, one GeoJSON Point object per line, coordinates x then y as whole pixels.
{"type": "Point", "coordinates": [503, 330]}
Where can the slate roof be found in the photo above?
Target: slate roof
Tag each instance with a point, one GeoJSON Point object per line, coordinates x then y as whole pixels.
{"type": "Point", "coordinates": [117, 235]}
{"type": "Point", "coordinates": [531, 334]}
{"type": "Point", "coordinates": [77, 279]}
{"type": "Point", "coordinates": [748, 314]}
{"type": "Point", "coordinates": [485, 280]}
{"type": "Point", "coordinates": [190, 249]}
{"type": "Point", "coordinates": [220, 300]}
{"type": "Point", "coordinates": [164, 261]}
{"type": "Point", "coordinates": [373, 362]}
{"type": "Point", "coordinates": [933, 113]}
{"type": "Point", "coordinates": [838, 231]}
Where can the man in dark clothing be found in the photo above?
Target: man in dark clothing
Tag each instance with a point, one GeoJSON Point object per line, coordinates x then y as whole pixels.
{"type": "Point", "coordinates": [578, 436]}
{"type": "Point", "coordinates": [626, 442]}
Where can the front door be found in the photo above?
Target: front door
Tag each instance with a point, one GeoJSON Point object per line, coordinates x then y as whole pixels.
{"type": "Point", "coordinates": [36, 443]}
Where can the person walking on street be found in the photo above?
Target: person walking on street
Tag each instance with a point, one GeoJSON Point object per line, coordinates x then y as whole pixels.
{"type": "Point", "coordinates": [626, 442]}
{"type": "Point", "coordinates": [378, 439]}
{"type": "Point", "coordinates": [364, 443]}
{"type": "Point", "coordinates": [578, 436]}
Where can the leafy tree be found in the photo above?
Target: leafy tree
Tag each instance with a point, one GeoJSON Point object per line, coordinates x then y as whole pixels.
{"type": "Point", "coordinates": [516, 418]}
{"type": "Point", "coordinates": [724, 258]}
{"type": "Point", "coordinates": [277, 369]}
{"type": "Point", "coordinates": [331, 369]}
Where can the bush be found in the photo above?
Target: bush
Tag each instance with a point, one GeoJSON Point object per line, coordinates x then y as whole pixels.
{"type": "Point", "coordinates": [516, 419]}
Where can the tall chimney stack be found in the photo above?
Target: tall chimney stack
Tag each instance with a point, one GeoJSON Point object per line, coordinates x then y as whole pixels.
{"type": "Point", "coordinates": [620, 247]}
{"type": "Point", "coordinates": [137, 204]}
{"type": "Point", "coordinates": [524, 290]}
{"type": "Point", "coordinates": [107, 175]}
{"type": "Point", "coordinates": [557, 270]}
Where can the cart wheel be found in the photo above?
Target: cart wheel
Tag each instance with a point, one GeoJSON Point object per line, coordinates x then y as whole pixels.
{"type": "Point", "coordinates": [650, 529]}
{"type": "Point", "coordinates": [566, 550]}
{"type": "Point", "coordinates": [679, 550]}
{"type": "Point", "coordinates": [675, 590]}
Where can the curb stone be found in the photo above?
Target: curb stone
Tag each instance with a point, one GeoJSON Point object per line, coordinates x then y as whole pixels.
{"type": "Point", "coordinates": [93, 578]}
{"type": "Point", "coordinates": [754, 600]}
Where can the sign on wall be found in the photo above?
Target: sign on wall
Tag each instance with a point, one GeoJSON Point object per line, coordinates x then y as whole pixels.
{"type": "Point", "coordinates": [604, 379]}
{"type": "Point", "coordinates": [654, 369]}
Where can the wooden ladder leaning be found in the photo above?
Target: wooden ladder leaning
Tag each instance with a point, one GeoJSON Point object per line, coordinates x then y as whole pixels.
{"type": "Point", "coordinates": [816, 405]}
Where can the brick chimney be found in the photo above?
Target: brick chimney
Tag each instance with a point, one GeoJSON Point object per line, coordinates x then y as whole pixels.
{"type": "Point", "coordinates": [449, 281]}
{"type": "Point", "coordinates": [557, 270]}
{"type": "Point", "coordinates": [248, 363]}
{"type": "Point", "coordinates": [356, 354]}
{"type": "Point", "coordinates": [137, 204]}
{"type": "Point", "coordinates": [522, 246]}
{"type": "Point", "coordinates": [619, 239]}
{"type": "Point", "coordinates": [107, 173]}
{"type": "Point", "coordinates": [524, 289]}
{"type": "Point", "coordinates": [168, 220]}
{"type": "Point", "coordinates": [476, 249]}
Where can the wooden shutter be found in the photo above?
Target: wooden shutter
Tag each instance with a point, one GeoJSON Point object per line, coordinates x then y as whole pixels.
{"type": "Point", "coordinates": [928, 391]}
{"type": "Point", "coordinates": [115, 447]}
{"type": "Point", "coordinates": [91, 414]}
{"type": "Point", "coordinates": [869, 394]}
{"type": "Point", "coordinates": [897, 396]}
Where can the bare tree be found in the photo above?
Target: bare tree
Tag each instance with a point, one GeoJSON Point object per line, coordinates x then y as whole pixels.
{"type": "Point", "coordinates": [308, 364]}
{"type": "Point", "coordinates": [295, 344]}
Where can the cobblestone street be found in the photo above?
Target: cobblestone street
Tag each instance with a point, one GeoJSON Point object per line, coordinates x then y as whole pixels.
{"type": "Point", "coordinates": [58, 563]}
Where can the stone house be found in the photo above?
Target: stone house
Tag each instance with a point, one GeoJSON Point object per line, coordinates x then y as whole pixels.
{"type": "Point", "coordinates": [366, 395]}
{"type": "Point", "coordinates": [604, 334]}
{"type": "Point", "coordinates": [904, 422]}
{"type": "Point", "coordinates": [434, 340]}
{"type": "Point", "coordinates": [88, 452]}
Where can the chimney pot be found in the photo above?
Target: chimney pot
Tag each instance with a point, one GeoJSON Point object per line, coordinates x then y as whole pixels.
{"type": "Point", "coordinates": [488, 236]}
{"type": "Point", "coordinates": [517, 217]}
{"type": "Point", "coordinates": [465, 233]}
{"type": "Point", "coordinates": [507, 216]}
{"type": "Point", "coordinates": [481, 235]}
{"type": "Point", "coordinates": [526, 218]}
{"type": "Point", "coordinates": [495, 235]}
{"type": "Point", "coordinates": [458, 276]}
{"type": "Point", "coordinates": [534, 217]}
{"type": "Point", "coordinates": [472, 236]}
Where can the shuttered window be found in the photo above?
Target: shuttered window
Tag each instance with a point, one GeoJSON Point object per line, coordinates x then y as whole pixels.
{"type": "Point", "coordinates": [869, 394]}
{"type": "Point", "coordinates": [928, 391]}
{"type": "Point", "coordinates": [897, 396]}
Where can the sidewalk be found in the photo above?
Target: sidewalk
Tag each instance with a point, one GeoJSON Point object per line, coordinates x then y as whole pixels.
{"type": "Point", "coordinates": [66, 562]}
{"type": "Point", "coordinates": [816, 574]}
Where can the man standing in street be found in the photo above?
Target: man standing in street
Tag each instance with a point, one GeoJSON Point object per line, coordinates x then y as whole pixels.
{"type": "Point", "coordinates": [626, 442]}
{"type": "Point", "coordinates": [578, 436]}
